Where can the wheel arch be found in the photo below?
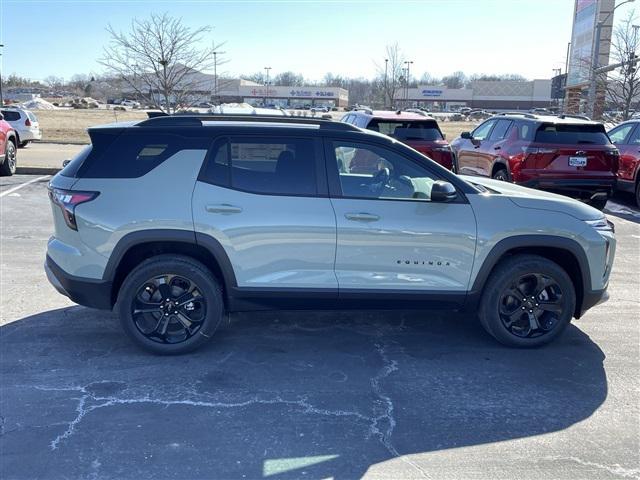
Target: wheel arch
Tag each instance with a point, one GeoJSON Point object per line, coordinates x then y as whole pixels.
{"type": "Point", "coordinates": [567, 253]}
{"type": "Point", "coordinates": [136, 247]}
{"type": "Point", "coordinates": [500, 164]}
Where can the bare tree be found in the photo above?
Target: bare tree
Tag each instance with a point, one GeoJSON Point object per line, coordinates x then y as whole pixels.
{"type": "Point", "coordinates": [289, 79]}
{"type": "Point", "coordinates": [390, 74]}
{"type": "Point", "coordinates": [54, 82]}
{"type": "Point", "coordinates": [622, 84]}
{"type": "Point", "coordinates": [159, 59]}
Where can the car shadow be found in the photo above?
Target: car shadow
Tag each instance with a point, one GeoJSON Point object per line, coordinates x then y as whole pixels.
{"type": "Point", "coordinates": [278, 395]}
{"type": "Point", "coordinates": [624, 206]}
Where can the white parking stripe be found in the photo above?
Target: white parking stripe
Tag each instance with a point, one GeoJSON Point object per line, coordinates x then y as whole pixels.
{"type": "Point", "coordinates": [18, 187]}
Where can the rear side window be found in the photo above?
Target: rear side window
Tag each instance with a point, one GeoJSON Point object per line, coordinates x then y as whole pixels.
{"type": "Point", "coordinates": [135, 154]}
{"type": "Point", "coordinates": [32, 117]}
{"type": "Point", "coordinates": [265, 165]}
{"type": "Point", "coordinates": [76, 162]}
{"type": "Point", "coordinates": [499, 132]}
{"type": "Point", "coordinates": [407, 130]}
{"type": "Point", "coordinates": [11, 115]}
{"type": "Point", "coordinates": [571, 134]}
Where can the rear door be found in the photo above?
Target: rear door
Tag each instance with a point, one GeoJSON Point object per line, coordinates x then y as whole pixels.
{"type": "Point", "coordinates": [391, 237]}
{"type": "Point", "coordinates": [264, 199]}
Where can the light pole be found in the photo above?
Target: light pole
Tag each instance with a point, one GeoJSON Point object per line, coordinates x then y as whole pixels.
{"type": "Point", "coordinates": [408, 63]}
{"type": "Point", "coordinates": [595, 62]}
{"type": "Point", "coordinates": [1, 99]}
{"type": "Point", "coordinates": [386, 86]}
{"type": "Point", "coordinates": [215, 76]}
{"type": "Point", "coordinates": [266, 85]}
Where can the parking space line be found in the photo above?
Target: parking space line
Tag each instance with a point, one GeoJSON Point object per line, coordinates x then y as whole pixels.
{"type": "Point", "coordinates": [18, 187]}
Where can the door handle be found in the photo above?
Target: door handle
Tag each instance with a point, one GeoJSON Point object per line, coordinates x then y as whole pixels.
{"type": "Point", "coordinates": [223, 208]}
{"type": "Point", "coordinates": [362, 217]}
{"type": "Point", "coordinates": [476, 146]}
{"type": "Point", "coordinates": [497, 148]}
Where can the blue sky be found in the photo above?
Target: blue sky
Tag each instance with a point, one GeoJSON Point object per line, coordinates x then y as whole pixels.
{"type": "Point", "coordinates": [529, 37]}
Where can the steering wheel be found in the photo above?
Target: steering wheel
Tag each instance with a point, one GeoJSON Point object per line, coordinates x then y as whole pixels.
{"type": "Point", "coordinates": [380, 180]}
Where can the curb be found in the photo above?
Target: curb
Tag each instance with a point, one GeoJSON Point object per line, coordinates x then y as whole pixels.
{"type": "Point", "coordinates": [37, 170]}
{"type": "Point", "coordinates": [56, 142]}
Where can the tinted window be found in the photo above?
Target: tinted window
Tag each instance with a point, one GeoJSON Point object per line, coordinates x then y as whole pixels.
{"type": "Point", "coordinates": [482, 131]}
{"type": "Point", "coordinates": [133, 154]}
{"type": "Point", "coordinates": [271, 165]}
{"type": "Point", "coordinates": [499, 132]}
{"type": "Point", "coordinates": [76, 162]}
{"type": "Point", "coordinates": [407, 130]}
{"type": "Point", "coordinates": [525, 131]}
{"type": "Point", "coordinates": [368, 171]}
{"type": "Point", "coordinates": [618, 134]}
{"type": "Point", "coordinates": [572, 134]}
{"type": "Point", "coordinates": [11, 115]}
{"type": "Point", "coordinates": [635, 137]}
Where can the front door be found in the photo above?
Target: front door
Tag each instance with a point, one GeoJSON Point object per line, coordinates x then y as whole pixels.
{"type": "Point", "coordinates": [391, 236]}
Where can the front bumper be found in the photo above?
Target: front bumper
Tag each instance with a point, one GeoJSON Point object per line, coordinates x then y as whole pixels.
{"type": "Point", "coordinates": [84, 291]}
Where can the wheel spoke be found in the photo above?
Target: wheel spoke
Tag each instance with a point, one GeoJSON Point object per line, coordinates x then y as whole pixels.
{"type": "Point", "coordinates": [186, 323]}
{"type": "Point", "coordinates": [516, 293]}
{"type": "Point", "coordinates": [542, 283]}
{"type": "Point", "coordinates": [553, 307]}
{"type": "Point", "coordinates": [533, 322]}
{"type": "Point", "coordinates": [145, 307]}
{"type": "Point", "coordinates": [513, 318]}
{"type": "Point", "coordinates": [161, 327]}
{"type": "Point", "coordinates": [165, 290]}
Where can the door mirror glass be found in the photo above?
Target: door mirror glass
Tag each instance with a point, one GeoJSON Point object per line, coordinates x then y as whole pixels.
{"type": "Point", "coordinates": [442, 191]}
{"type": "Point", "coordinates": [466, 135]}
{"type": "Point", "coordinates": [65, 162]}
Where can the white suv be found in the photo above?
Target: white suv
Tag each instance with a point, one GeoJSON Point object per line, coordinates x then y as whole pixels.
{"type": "Point", "coordinates": [25, 123]}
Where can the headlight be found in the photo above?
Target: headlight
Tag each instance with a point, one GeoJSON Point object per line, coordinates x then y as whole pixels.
{"type": "Point", "coordinates": [602, 225]}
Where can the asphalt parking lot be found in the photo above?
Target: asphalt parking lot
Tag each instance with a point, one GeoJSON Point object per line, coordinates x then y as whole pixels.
{"type": "Point", "coordinates": [288, 395]}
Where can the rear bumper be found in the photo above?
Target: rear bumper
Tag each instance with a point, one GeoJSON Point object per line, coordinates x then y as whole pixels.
{"type": "Point", "coordinates": [29, 135]}
{"type": "Point", "coordinates": [626, 186]}
{"type": "Point", "coordinates": [582, 188]}
{"type": "Point", "coordinates": [84, 291]}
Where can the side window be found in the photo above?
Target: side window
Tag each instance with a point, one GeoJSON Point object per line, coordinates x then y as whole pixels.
{"type": "Point", "coordinates": [635, 137]}
{"type": "Point", "coordinates": [135, 154]}
{"type": "Point", "coordinates": [266, 165]}
{"type": "Point", "coordinates": [525, 131]}
{"type": "Point", "coordinates": [370, 171]}
{"type": "Point", "coordinates": [11, 115]}
{"type": "Point", "coordinates": [348, 118]}
{"type": "Point", "coordinates": [618, 134]}
{"type": "Point", "coordinates": [483, 130]}
{"type": "Point", "coordinates": [500, 131]}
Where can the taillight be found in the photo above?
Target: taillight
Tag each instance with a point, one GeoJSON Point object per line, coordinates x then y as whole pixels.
{"type": "Point", "coordinates": [614, 155]}
{"type": "Point", "coordinates": [68, 200]}
{"type": "Point", "coordinates": [27, 122]}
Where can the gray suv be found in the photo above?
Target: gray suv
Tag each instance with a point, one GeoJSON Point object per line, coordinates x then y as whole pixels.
{"type": "Point", "coordinates": [175, 220]}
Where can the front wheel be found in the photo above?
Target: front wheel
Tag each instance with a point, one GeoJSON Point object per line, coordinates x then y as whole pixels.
{"type": "Point", "coordinates": [8, 167]}
{"type": "Point", "coordinates": [501, 175]}
{"type": "Point", "coordinates": [527, 302]}
{"type": "Point", "coordinates": [170, 304]}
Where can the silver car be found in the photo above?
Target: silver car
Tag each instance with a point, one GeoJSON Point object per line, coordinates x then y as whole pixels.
{"type": "Point", "coordinates": [25, 123]}
{"type": "Point", "coordinates": [175, 220]}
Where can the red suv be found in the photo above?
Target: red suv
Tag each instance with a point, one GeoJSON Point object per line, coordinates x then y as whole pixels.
{"type": "Point", "coordinates": [8, 148]}
{"type": "Point", "coordinates": [626, 137]}
{"type": "Point", "coordinates": [420, 132]}
{"type": "Point", "coordinates": [563, 154]}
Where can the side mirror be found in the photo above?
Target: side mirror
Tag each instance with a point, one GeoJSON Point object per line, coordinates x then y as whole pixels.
{"type": "Point", "coordinates": [65, 162]}
{"type": "Point", "coordinates": [442, 191]}
{"type": "Point", "coordinates": [466, 135]}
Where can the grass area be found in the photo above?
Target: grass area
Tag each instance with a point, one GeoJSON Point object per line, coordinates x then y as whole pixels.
{"type": "Point", "coordinates": [70, 126]}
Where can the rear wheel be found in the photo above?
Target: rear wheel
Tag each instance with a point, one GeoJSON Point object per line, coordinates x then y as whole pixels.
{"type": "Point", "coordinates": [501, 174]}
{"type": "Point", "coordinates": [638, 193]}
{"type": "Point", "coordinates": [8, 167]}
{"type": "Point", "coordinates": [24, 144]}
{"type": "Point", "coordinates": [528, 301]}
{"type": "Point", "coordinates": [170, 304]}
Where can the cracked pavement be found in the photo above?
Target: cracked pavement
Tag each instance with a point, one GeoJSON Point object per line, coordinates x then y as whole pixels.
{"type": "Point", "coordinates": [310, 394]}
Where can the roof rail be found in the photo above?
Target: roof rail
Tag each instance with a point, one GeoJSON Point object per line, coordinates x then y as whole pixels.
{"type": "Point", "coordinates": [579, 117]}
{"type": "Point", "coordinates": [524, 114]}
{"type": "Point", "coordinates": [195, 120]}
{"type": "Point", "coordinates": [364, 109]}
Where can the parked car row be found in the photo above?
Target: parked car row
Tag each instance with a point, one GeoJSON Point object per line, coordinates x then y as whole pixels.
{"type": "Point", "coordinates": [24, 123]}
{"type": "Point", "coordinates": [563, 154]}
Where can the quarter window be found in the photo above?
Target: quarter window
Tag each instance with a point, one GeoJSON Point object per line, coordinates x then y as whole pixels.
{"type": "Point", "coordinates": [369, 171]}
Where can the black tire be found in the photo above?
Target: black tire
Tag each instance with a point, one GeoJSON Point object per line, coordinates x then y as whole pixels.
{"type": "Point", "coordinates": [146, 286]}
{"type": "Point", "coordinates": [638, 193]}
{"type": "Point", "coordinates": [24, 144]}
{"type": "Point", "coordinates": [8, 167]}
{"type": "Point", "coordinates": [599, 203]}
{"type": "Point", "coordinates": [498, 306]}
{"type": "Point", "coordinates": [502, 175]}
